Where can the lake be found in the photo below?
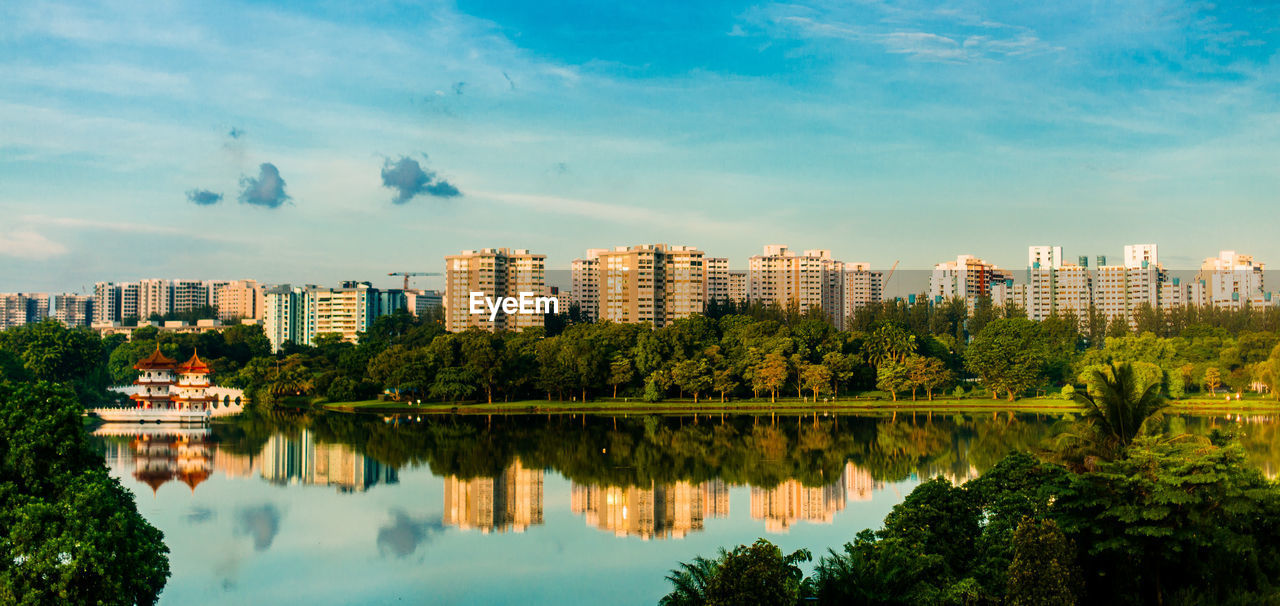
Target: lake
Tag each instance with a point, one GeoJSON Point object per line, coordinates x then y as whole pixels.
{"type": "Point", "coordinates": [351, 509]}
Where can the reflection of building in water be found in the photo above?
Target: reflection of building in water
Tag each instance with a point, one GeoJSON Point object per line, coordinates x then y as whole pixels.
{"type": "Point", "coordinates": [790, 501]}
{"type": "Point", "coordinates": [858, 483]}
{"type": "Point", "coordinates": [511, 501]}
{"type": "Point", "coordinates": [303, 460]}
{"type": "Point", "coordinates": [653, 511]}
{"type": "Point", "coordinates": [166, 453]}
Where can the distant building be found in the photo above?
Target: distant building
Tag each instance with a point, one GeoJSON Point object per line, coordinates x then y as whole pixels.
{"type": "Point", "coordinates": [299, 314]}
{"type": "Point", "coordinates": [717, 279]}
{"type": "Point", "coordinates": [806, 281]}
{"type": "Point", "coordinates": [1231, 280]}
{"type": "Point", "coordinates": [244, 299]}
{"type": "Point", "coordinates": [652, 283]}
{"type": "Point", "coordinates": [738, 287]}
{"type": "Point", "coordinates": [968, 278]}
{"type": "Point", "coordinates": [862, 287]}
{"type": "Point", "coordinates": [73, 310]}
{"type": "Point", "coordinates": [494, 273]}
{"type": "Point", "coordinates": [584, 276]}
{"type": "Point", "coordinates": [423, 302]}
{"type": "Point", "coordinates": [19, 309]}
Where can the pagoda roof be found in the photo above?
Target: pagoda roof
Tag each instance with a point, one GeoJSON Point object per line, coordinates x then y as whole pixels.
{"type": "Point", "coordinates": [155, 361]}
{"type": "Point", "coordinates": [194, 366]}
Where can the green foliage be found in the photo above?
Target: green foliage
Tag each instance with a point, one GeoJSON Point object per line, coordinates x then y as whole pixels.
{"type": "Point", "coordinates": [69, 533]}
{"type": "Point", "coordinates": [1044, 571]}
{"type": "Point", "coordinates": [1009, 356]}
{"type": "Point", "coordinates": [1119, 403]}
{"type": "Point", "coordinates": [749, 574]}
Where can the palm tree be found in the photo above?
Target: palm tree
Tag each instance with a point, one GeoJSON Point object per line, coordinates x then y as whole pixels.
{"type": "Point", "coordinates": [1119, 404]}
{"type": "Point", "coordinates": [689, 582]}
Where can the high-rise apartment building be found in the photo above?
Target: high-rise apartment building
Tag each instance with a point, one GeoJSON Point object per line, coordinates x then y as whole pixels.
{"type": "Point", "coordinates": [717, 277]}
{"type": "Point", "coordinates": [1119, 290]}
{"type": "Point", "coordinates": [806, 281]}
{"type": "Point", "coordinates": [73, 310]}
{"type": "Point", "coordinates": [862, 287]}
{"type": "Point", "coordinates": [652, 283]}
{"type": "Point", "coordinates": [281, 315]}
{"type": "Point", "coordinates": [244, 299]}
{"type": "Point", "coordinates": [738, 289]}
{"type": "Point", "coordinates": [423, 302]}
{"type": "Point", "coordinates": [494, 273]}
{"type": "Point", "coordinates": [1056, 287]}
{"type": "Point", "coordinates": [584, 276]}
{"type": "Point", "coordinates": [1231, 280]}
{"type": "Point", "coordinates": [969, 278]}
{"type": "Point", "coordinates": [18, 309]}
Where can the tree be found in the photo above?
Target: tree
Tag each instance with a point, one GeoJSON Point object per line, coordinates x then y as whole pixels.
{"type": "Point", "coordinates": [1044, 571]}
{"type": "Point", "coordinates": [889, 343]}
{"type": "Point", "coordinates": [1117, 404]}
{"type": "Point", "coordinates": [749, 574]}
{"type": "Point", "coordinates": [1007, 355]}
{"type": "Point", "coordinates": [815, 377]}
{"type": "Point", "coordinates": [929, 373]}
{"type": "Point", "coordinates": [770, 375]}
{"type": "Point", "coordinates": [693, 376]}
{"type": "Point", "coordinates": [69, 532]}
{"type": "Point", "coordinates": [1212, 379]}
{"type": "Point", "coordinates": [620, 373]}
{"type": "Point", "coordinates": [893, 377]}
{"type": "Point", "coordinates": [841, 367]}
{"type": "Point", "coordinates": [453, 383]}
{"type": "Point", "coordinates": [724, 382]}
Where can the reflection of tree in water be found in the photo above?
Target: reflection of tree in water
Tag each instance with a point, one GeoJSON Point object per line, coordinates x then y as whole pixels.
{"type": "Point", "coordinates": [404, 534]}
{"type": "Point", "coordinates": [641, 450]}
{"type": "Point", "coordinates": [262, 523]}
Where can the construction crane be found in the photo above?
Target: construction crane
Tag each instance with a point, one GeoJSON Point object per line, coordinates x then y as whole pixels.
{"type": "Point", "coordinates": [884, 286]}
{"type": "Point", "coordinates": [410, 274]}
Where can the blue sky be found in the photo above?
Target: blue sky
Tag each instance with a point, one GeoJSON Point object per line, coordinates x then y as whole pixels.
{"type": "Point", "coordinates": [883, 131]}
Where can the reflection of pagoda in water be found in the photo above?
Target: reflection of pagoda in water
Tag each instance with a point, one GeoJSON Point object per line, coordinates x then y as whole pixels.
{"type": "Point", "coordinates": [163, 454]}
{"type": "Point", "coordinates": [791, 501]}
{"type": "Point", "coordinates": [302, 460]}
{"type": "Point", "coordinates": [511, 501]}
{"type": "Point", "coordinates": [653, 511]}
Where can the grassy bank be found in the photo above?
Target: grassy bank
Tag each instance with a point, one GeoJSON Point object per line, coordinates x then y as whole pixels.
{"type": "Point", "coordinates": [1048, 405]}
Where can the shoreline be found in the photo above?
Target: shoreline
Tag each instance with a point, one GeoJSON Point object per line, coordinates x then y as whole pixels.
{"type": "Point", "coordinates": [938, 406]}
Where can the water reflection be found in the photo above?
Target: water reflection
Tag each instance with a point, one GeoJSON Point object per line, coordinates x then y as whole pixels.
{"type": "Point", "coordinates": [530, 506]}
{"type": "Point", "coordinates": [511, 500]}
{"type": "Point", "coordinates": [302, 460]}
{"type": "Point", "coordinates": [655, 511]}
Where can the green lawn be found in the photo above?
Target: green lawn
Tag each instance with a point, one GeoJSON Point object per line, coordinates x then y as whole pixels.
{"type": "Point", "coordinates": [783, 405]}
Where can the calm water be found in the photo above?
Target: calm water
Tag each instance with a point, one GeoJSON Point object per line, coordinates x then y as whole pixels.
{"type": "Point", "coordinates": [337, 509]}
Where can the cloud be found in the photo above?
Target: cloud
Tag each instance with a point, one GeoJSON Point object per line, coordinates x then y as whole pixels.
{"type": "Point", "coordinates": [266, 190]}
{"type": "Point", "coordinates": [199, 515]}
{"type": "Point", "coordinates": [404, 535]}
{"type": "Point", "coordinates": [262, 523]}
{"type": "Point", "coordinates": [235, 133]}
{"type": "Point", "coordinates": [409, 179]}
{"type": "Point", "coordinates": [203, 197]}
{"type": "Point", "coordinates": [27, 244]}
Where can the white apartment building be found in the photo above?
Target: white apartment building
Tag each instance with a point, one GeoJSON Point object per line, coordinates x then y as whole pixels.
{"type": "Point", "coordinates": [862, 286]}
{"type": "Point", "coordinates": [717, 275]}
{"type": "Point", "coordinates": [1056, 287]}
{"type": "Point", "coordinates": [808, 280]}
{"type": "Point", "coordinates": [423, 302]}
{"type": "Point", "coordinates": [969, 278]}
{"type": "Point", "coordinates": [73, 310]}
{"type": "Point", "coordinates": [584, 276]}
{"type": "Point", "coordinates": [737, 287]}
{"type": "Point", "coordinates": [244, 299]}
{"type": "Point", "coordinates": [495, 273]}
{"type": "Point", "coordinates": [1231, 280]}
{"type": "Point", "coordinates": [651, 283]}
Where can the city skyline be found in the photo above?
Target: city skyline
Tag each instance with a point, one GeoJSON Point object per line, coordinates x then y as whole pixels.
{"type": "Point", "coordinates": [315, 146]}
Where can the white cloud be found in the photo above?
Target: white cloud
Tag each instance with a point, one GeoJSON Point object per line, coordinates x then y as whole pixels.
{"type": "Point", "coordinates": [30, 245]}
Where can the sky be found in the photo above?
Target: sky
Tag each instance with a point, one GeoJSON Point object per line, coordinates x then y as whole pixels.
{"type": "Point", "coordinates": [313, 142]}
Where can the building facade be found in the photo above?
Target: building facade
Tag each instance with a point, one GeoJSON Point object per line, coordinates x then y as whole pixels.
{"type": "Point", "coordinates": [652, 283]}
{"type": "Point", "coordinates": [495, 273]}
{"type": "Point", "coordinates": [806, 281]}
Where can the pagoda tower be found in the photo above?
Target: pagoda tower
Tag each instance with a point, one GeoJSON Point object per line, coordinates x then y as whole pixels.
{"type": "Point", "coordinates": [191, 391]}
{"type": "Point", "coordinates": [155, 378]}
